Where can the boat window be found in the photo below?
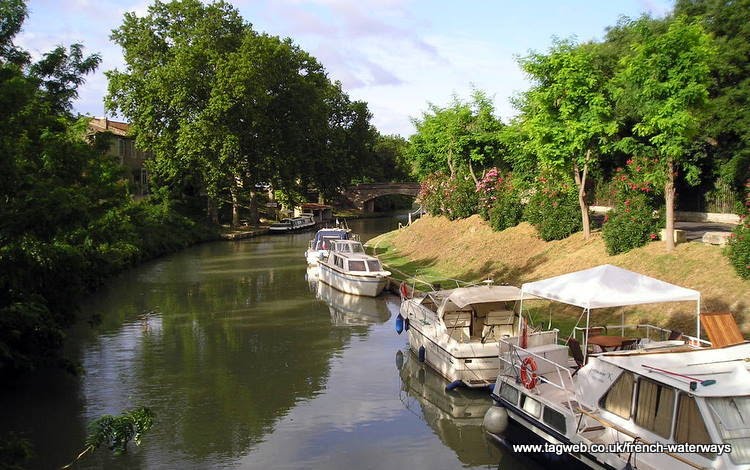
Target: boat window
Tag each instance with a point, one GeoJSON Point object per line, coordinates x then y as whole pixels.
{"type": "Point", "coordinates": [618, 399]}
{"type": "Point", "coordinates": [690, 427]}
{"type": "Point", "coordinates": [732, 417]}
{"type": "Point", "coordinates": [373, 265]}
{"type": "Point", "coordinates": [531, 406]}
{"type": "Point", "coordinates": [356, 265]}
{"type": "Point", "coordinates": [554, 419]}
{"type": "Point", "coordinates": [654, 407]}
{"type": "Point", "coordinates": [338, 262]}
{"type": "Point", "coordinates": [357, 248]}
{"type": "Point", "coordinates": [508, 392]}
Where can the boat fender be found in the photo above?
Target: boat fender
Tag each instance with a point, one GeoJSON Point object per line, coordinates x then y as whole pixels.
{"type": "Point", "coordinates": [495, 420]}
{"type": "Point", "coordinates": [399, 324]}
{"type": "Point", "coordinates": [528, 373]}
{"type": "Point", "coordinates": [453, 385]}
{"type": "Point", "coordinates": [421, 353]}
{"type": "Point", "coordinates": [403, 290]}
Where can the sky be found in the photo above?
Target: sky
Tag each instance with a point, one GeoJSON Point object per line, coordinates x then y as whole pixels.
{"type": "Point", "coordinates": [397, 55]}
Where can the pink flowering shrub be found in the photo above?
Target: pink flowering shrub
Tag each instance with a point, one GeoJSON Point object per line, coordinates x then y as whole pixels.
{"type": "Point", "coordinates": [632, 222]}
{"type": "Point", "coordinates": [454, 198]}
{"type": "Point", "coordinates": [499, 201]}
{"type": "Point", "coordinates": [553, 209]}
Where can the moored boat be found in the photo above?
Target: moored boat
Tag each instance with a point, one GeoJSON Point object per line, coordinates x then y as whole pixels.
{"type": "Point", "coordinates": [322, 242]}
{"type": "Point", "coordinates": [293, 224]}
{"type": "Point", "coordinates": [456, 331]}
{"type": "Point", "coordinates": [349, 269]}
{"type": "Point", "coordinates": [650, 403]}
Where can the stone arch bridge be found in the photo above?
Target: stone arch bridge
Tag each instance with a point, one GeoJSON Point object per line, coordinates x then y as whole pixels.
{"type": "Point", "coordinates": [363, 196]}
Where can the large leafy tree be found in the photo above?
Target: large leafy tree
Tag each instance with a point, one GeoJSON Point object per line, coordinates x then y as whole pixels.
{"type": "Point", "coordinates": [567, 114]}
{"type": "Point", "coordinates": [726, 127]}
{"type": "Point", "coordinates": [457, 138]}
{"type": "Point", "coordinates": [664, 81]}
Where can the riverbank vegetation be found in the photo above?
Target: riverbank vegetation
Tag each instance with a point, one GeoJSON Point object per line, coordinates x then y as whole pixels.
{"type": "Point", "coordinates": [435, 249]}
{"type": "Point", "coordinates": [67, 220]}
{"type": "Point", "coordinates": [639, 121]}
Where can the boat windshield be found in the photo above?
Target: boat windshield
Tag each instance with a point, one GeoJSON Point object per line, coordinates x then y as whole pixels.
{"type": "Point", "coordinates": [357, 248]}
{"type": "Point", "coordinates": [732, 416]}
{"type": "Point", "coordinates": [356, 265]}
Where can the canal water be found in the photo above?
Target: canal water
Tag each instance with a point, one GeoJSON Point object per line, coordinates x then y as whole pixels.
{"type": "Point", "coordinates": [248, 363]}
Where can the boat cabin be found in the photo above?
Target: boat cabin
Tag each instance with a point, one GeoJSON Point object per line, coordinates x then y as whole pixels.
{"type": "Point", "coordinates": [350, 256]}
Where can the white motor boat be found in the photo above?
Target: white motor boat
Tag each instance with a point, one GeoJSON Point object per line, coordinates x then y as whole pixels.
{"type": "Point", "coordinates": [456, 331]}
{"type": "Point", "coordinates": [322, 241]}
{"type": "Point", "coordinates": [349, 269]}
{"type": "Point", "coordinates": [293, 224]}
{"type": "Point", "coordinates": [677, 404]}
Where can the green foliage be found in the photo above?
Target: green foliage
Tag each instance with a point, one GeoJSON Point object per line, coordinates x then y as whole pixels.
{"type": "Point", "coordinates": [738, 249]}
{"type": "Point", "coordinates": [457, 138]}
{"type": "Point", "coordinates": [454, 197]}
{"type": "Point", "coordinates": [15, 452]}
{"type": "Point", "coordinates": [117, 431]}
{"type": "Point", "coordinates": [499, 200]}
{"type": "Point", "coordinates": [460, 197]}
{"type": "Point", "coordinates": [553, 210]}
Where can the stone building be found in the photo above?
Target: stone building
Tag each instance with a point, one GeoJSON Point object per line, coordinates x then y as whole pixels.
{"type": "Point", "coordinates": [122, 148]}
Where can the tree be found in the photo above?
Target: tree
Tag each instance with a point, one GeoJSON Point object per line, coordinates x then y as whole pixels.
{"type": "Point", "coordinates": [665, 81]}
{"type": "Point", "coordinates": [457, 138]}
{"type": "Point", "coordinates": [567, 114]}
{"type": "Point", "coordinates": [725, 130]}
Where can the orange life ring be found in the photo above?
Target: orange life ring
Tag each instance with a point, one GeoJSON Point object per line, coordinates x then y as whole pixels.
{"type": "Point", "coordinates": [404, 290]}
{"type": "Point", "coordinates": [528, 372]}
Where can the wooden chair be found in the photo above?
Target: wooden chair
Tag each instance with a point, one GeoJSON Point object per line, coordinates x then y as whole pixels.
{"type": "Point", "coordinates": [721, 329]}
{"type": "Point", "coordinates": [576, 353]}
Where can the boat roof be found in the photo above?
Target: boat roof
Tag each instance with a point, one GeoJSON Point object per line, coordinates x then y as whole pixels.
{"type": "Point", "coordinates": [462, 297]}
{"type": "Point", "coordinates": [331, 232]}
{"type": "Point", "coordinates": [608, 286]}
{"type": "Point", "coordinates": [728, 366]}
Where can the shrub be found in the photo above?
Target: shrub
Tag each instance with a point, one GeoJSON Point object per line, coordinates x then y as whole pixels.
{"type": "Point", "coordinates": [631, 223]}
{"type": "Point", "coordinates": [498, 200]}
{"type": "Point", "coordinates": [738, 249]}
{"type": "Point", "coordinates": [553, 209]}
{"type": "Point", "coordinates": [460, 197]}
{"type": "Point", "coordinates": [432, 193]}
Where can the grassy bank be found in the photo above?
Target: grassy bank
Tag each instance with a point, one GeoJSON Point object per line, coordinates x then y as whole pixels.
{"type": "Point", "coordinates": [436, 248]}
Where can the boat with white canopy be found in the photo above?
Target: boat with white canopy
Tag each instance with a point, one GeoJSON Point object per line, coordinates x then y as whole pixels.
{"type": "Point", "coordinates": [679, 403]}
{"type": "Point", "coordinates": [456, 331]}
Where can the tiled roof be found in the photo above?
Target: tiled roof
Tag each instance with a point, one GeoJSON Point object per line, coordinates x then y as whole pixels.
{"type": "Point", "coordinates": [107, 125]}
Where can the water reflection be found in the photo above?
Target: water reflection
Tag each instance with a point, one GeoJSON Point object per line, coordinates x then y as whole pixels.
{"type": "Point", "coordinates": [352, 310]}
{"type": "Point", "coordinates": [455, 416]}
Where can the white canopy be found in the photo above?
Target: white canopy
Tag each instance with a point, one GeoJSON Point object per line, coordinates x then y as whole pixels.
{"type": "Point", "coordinates": [608, 286]}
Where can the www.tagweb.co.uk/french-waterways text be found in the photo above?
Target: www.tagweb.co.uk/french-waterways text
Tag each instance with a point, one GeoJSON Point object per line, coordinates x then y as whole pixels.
{"type": "Point", "coordinates": [625, 448]}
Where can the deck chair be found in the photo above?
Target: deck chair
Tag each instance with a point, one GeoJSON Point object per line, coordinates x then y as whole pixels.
{"type": "Point", "coordinates": [674, 334]}
{"type": "Point", "coordinates": [576, 353]}
{"type": "Point", "coordinates": [721, 329]}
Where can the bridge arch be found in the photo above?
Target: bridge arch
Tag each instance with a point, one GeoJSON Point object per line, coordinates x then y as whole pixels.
{"type": "Point", "coordinates": [362, 196]}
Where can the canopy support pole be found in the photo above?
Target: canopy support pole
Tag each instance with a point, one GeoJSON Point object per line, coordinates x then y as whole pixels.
{"type": "Point", "coordinates": [698, 319]}
{"type": "Point", "coordinates": [586, 336]}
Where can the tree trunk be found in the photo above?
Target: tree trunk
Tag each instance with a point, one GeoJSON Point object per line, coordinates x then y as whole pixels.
{"type": "Point", "coordinates": [450, 164]}
{"type": "Point", "coordinates": [212, 211]}
{"type": "Point", "coordinates": [234, 192]}
{"type": "Point", "coordinates": [254, 214]}
{"type": "Point", "coordinates": [580, 180]}
{"type": "Point", "coordinates": [669, 193]}
{"type": "Point", "coordinates": [473, 176]}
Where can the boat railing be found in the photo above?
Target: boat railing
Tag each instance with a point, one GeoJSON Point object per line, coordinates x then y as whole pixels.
{"type": "Point", "coordinates": [652, 333]}
{"type": "Point", "coordinates": [513, 357]}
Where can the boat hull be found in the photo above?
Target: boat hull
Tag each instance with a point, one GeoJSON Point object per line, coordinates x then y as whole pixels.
{"type": "Point", "coordinates": [367, 285]}
{"type": "Point", "coordinates": [474, 363]}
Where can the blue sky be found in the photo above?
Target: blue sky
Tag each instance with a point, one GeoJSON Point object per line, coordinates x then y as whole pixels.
{"type": "Point", "coordinates": [397, 55]}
